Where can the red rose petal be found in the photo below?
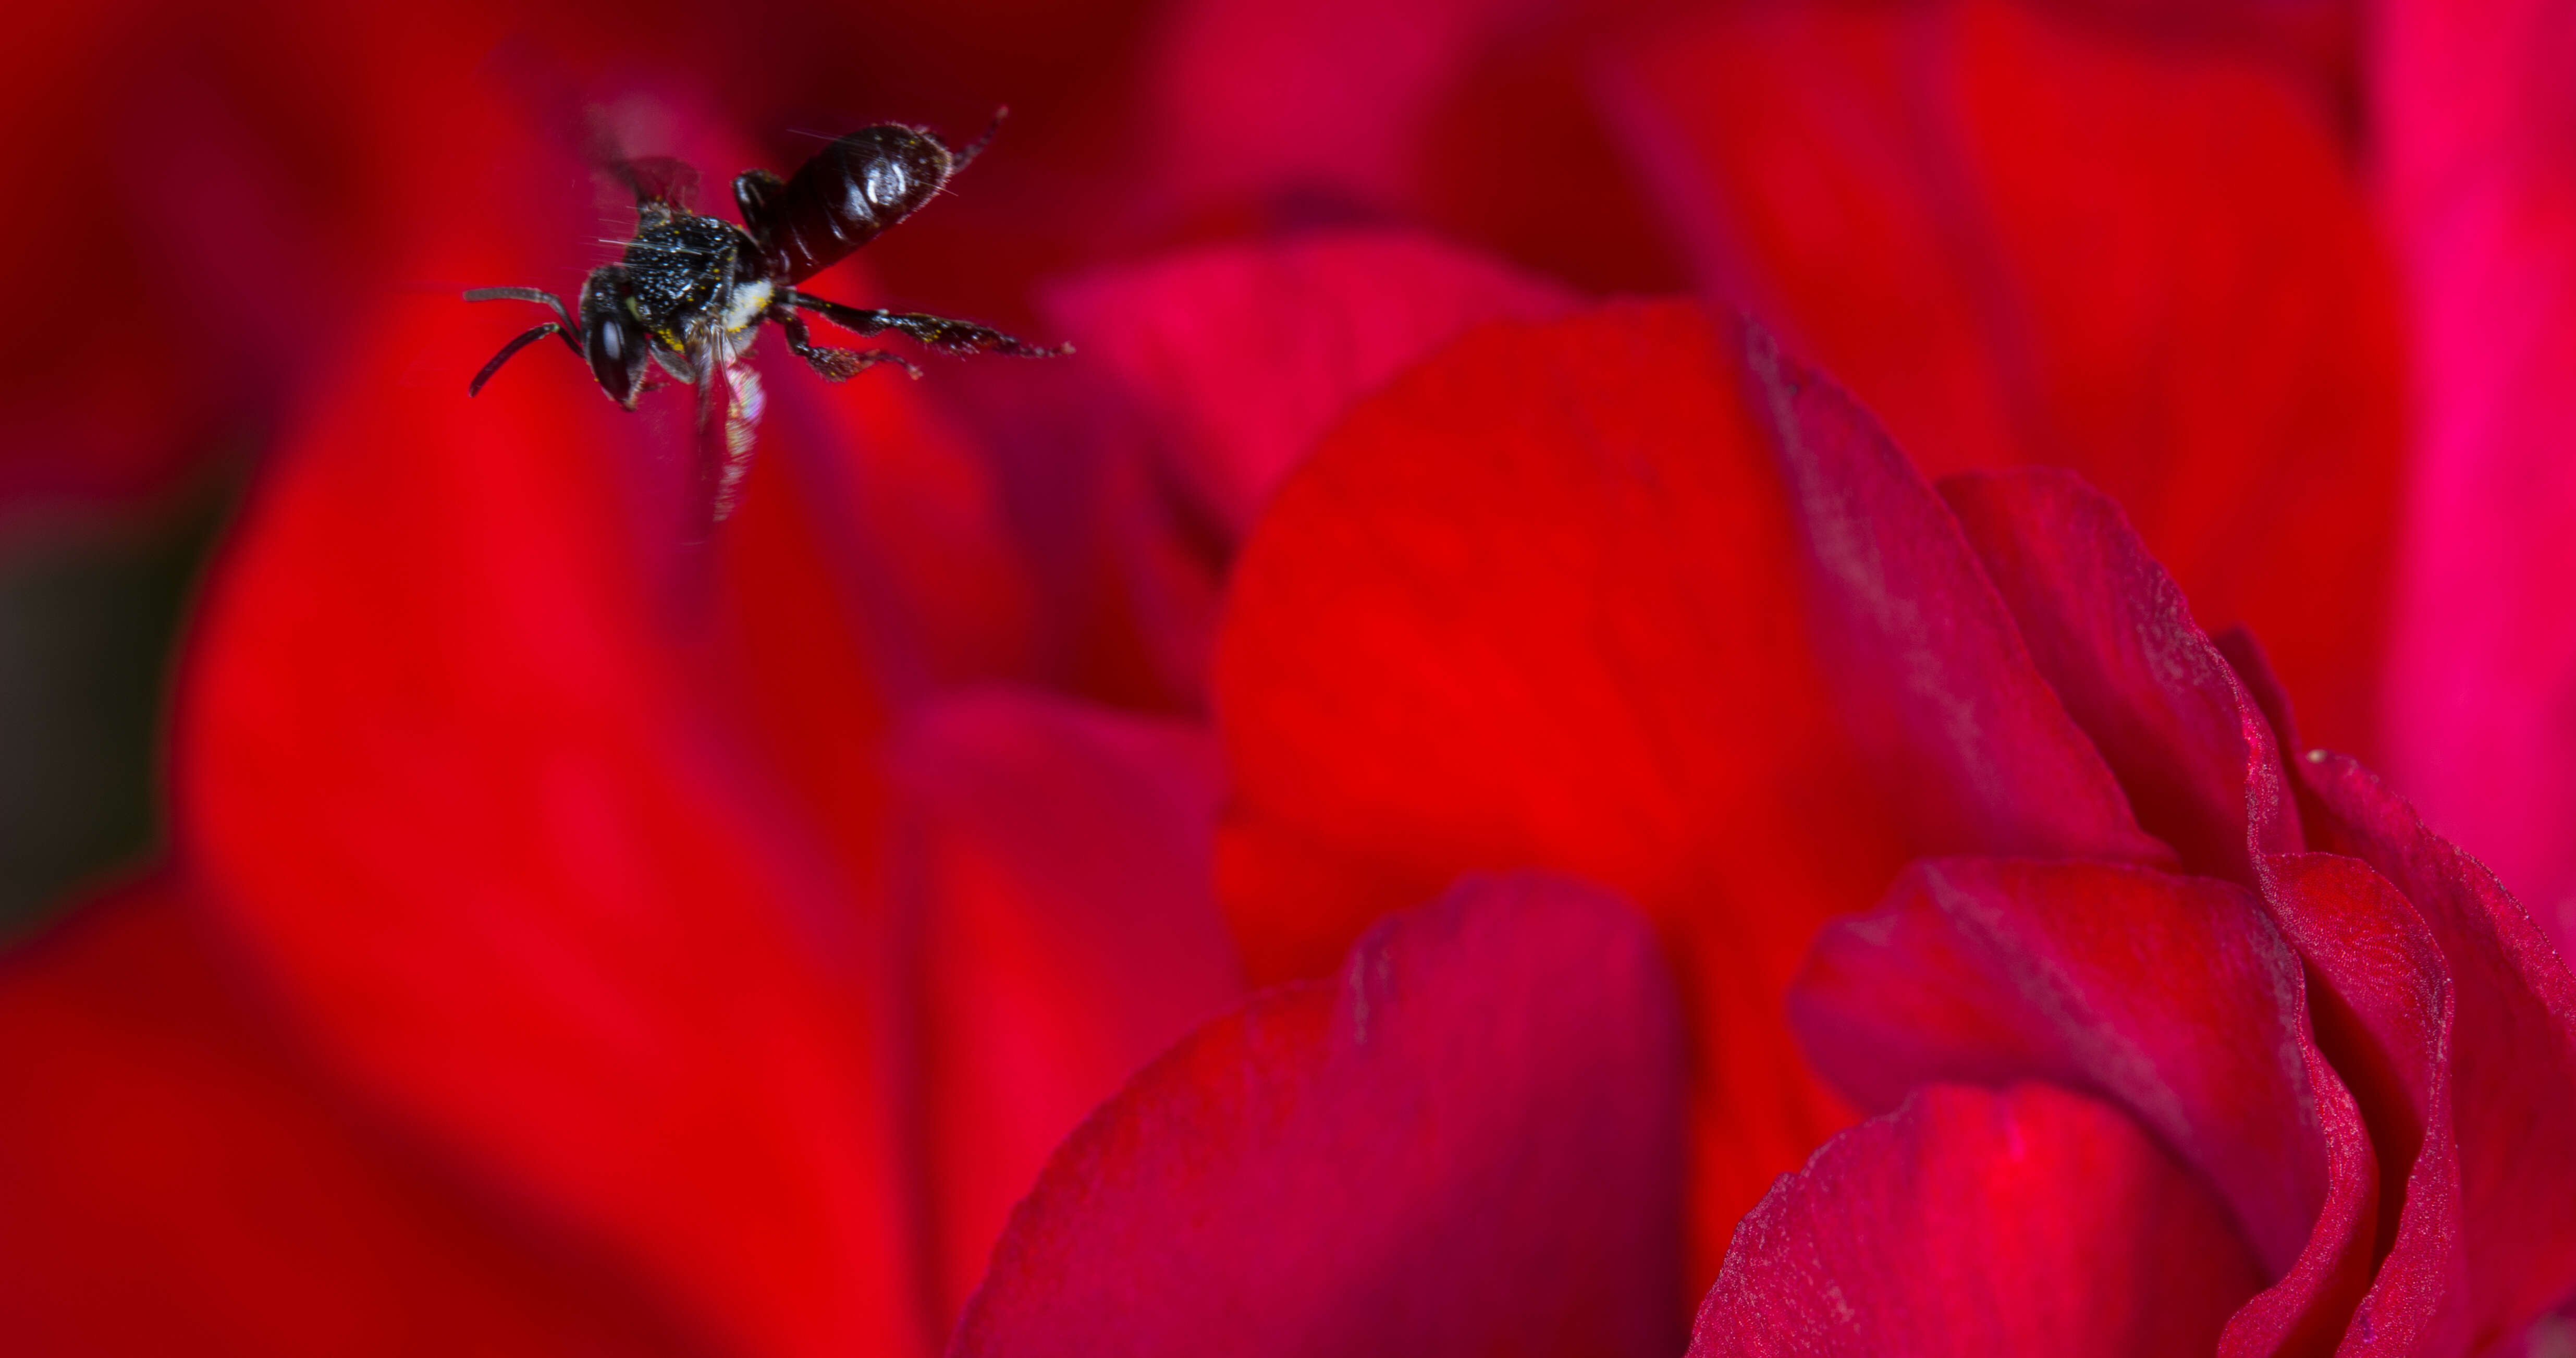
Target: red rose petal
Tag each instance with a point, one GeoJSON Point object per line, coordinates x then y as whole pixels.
{"type": "Point", "coordinates": [1982, 756]}
{"type": "Point", "coordinates": [1470, 1142]}
{"type": "Point", "coordinates": [2031, 1221]}
{"type": "Point", "coordinates": [1058, 867]}
{"type": "Point", "coordinates": [2383, 1014]}
{"type": "Point", "coordinates": [2199, 760]}
{"type": "Point", "coordinates": [2019, 239]}
{"type": "Point", "coordinates": [443, 763]}
{"type": "Point", "coordinates": [1536, 604]}
{"type": "Point", "coordinates": [174, 1180]}
{"type": "Point", "coordinates": [2513, 1053]}
{"type": "Point", "coordinates": [1880, 541]}
{"type": "Point", "coordinates": [1993, 970]}
{"type": "Point", "coordinates": [2114, 636]}
{"type": "Point", "coordinates": [1246, 354]}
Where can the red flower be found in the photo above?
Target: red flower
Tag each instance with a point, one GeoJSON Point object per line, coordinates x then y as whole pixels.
{"type": "Point", "coordinates": [2429, 995]}
{"type": "Point", "coordinates": [577, 941]}
{"type": "Point", "coordinates": [2312, 1067]}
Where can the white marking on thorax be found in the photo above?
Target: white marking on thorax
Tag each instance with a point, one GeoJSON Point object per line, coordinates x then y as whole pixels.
{"type": "Point", "coordinates": [746, 304]}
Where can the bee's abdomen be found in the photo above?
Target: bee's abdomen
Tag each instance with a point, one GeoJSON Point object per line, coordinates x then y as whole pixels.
{"type": "Point", "coordinates": [850, 192]}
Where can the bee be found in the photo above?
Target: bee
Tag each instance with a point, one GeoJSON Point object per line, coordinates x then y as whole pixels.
{"type": "Point", "coordinates": [690, 292]}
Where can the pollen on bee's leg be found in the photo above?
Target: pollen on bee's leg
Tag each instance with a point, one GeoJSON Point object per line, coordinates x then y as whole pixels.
{"type": "Point", "coordinates": [837, 365]}
{"type": "Point", "coordinates": [840, 365]}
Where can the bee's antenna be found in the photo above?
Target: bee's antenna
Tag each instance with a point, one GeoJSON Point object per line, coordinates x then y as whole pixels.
{"type": "Point", "coordinates": [563, 325]}
{"type": "Point", "coordinates": [509, 350]}
{"type": "Point", "coordinates": [966, 154]}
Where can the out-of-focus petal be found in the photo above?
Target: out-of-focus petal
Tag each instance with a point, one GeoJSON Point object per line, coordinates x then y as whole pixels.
{"type": "Point", "coordinates": [175, 1179]}
{"type": "Point", "coordinates": [903, 524]}
{"type": "Point", "coordinates": [443, 761]}
{"type": "Point", "coordinates": [1474, 117]}
{"type": "Point", "coordinates": [1203, 377]}
{"type": "Point", "coordinates": [1468, 1142]}
{"type": "Point", "coordinates": [205, 187]}
{"type": "Point", "coordinates": [2551, 1336]}
{"type": "Point", "coordinates": [2315, 43]}
{"type": "Point", "coordinates": [2021, 240]}
{"type": "Point", "coordinates": [1930, 669]}
{"type": "Point", "coordinates": [1326, 99]}
{"type": "Point", "coordinates": [1537, 604]}
{"type": "Point", "coordinates": [2476, 118]}
{"type": "Point", "coordinates": [2513, 1051]}
{"type": "Point", "coordinates": [868, 566]}
{"type": "Point", "coordinates": [1056, 866]}
{"type": "Point", "coordinates": [2028, 1221]}
{"type": "Point", "coordinates": [1246, 354]}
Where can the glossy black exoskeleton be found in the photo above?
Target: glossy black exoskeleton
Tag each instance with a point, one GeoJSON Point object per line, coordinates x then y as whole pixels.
{"type": "Point", "coordinates": [691, 291]}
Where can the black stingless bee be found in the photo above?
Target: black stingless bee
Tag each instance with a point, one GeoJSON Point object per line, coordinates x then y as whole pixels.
{"type": "Point", "coordinates": [691, 291]}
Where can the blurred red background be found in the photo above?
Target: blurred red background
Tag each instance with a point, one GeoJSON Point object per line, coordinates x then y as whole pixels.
{"type": "Point", "coordinates": [212, 196]}
{"type": "Point", "coordinates": [2142, 241]}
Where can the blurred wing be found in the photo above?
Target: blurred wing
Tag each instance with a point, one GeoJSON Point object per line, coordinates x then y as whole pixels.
{"type": "Point", "coordinates": [658, 179]}
{"type": "Point", "coordinates": [652, 179]}
{"type": "Point", "coordinates": [730, 401]}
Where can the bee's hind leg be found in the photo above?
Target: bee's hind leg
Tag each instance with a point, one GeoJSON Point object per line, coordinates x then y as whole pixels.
{"type": "Point", "coordinates": [836, 365]}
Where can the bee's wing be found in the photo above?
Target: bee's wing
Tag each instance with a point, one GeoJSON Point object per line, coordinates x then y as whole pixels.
{"type": "Point", "coordinates": [730, 401]}
{"type": "Point", "coordinates": [657, 179]}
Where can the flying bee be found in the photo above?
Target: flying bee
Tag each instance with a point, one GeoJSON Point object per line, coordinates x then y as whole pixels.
{"type": "Point", "coordinates": [691, 291]}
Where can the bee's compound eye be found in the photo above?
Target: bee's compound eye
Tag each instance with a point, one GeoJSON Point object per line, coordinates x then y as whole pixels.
{"type": "Point", "coordinates": [616, 355]}
{"type": "Point", "coordinates": [611, 338]}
